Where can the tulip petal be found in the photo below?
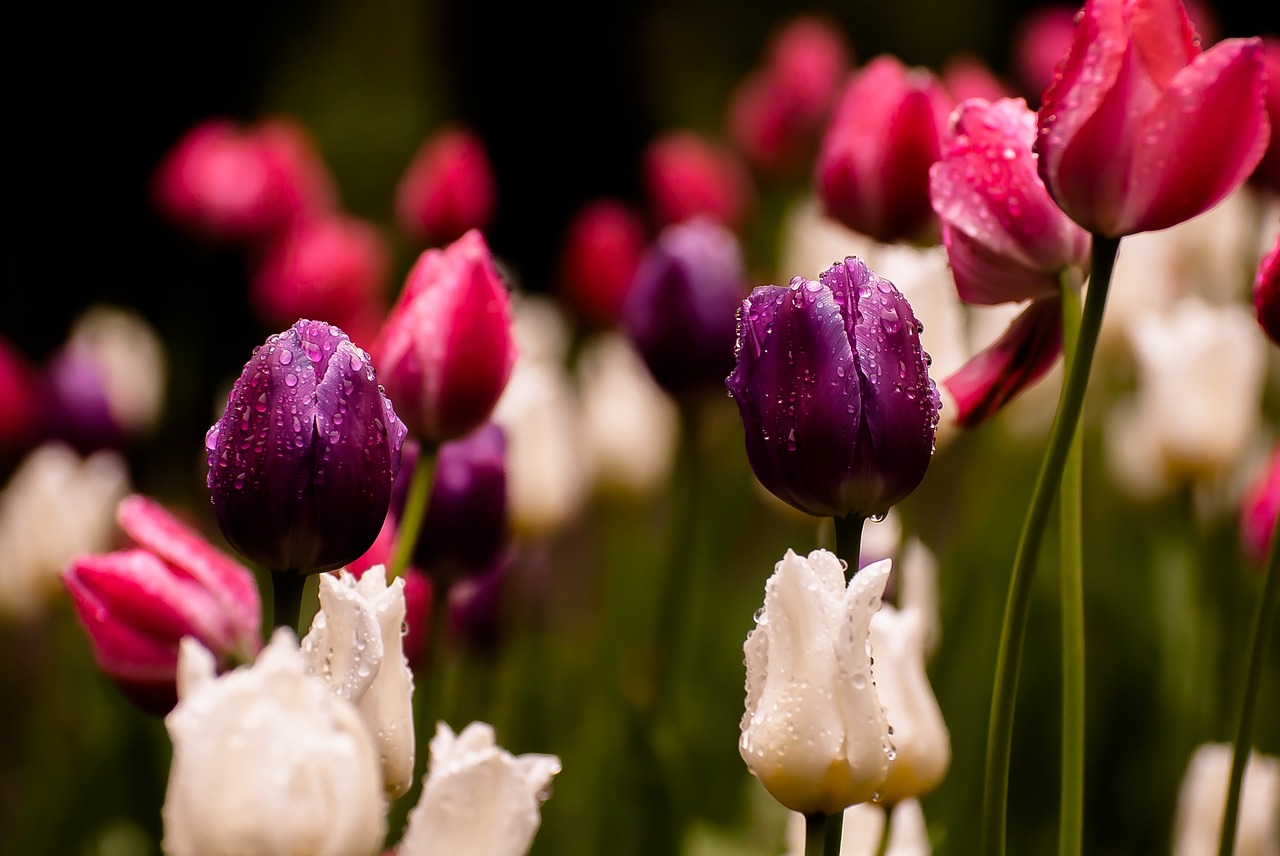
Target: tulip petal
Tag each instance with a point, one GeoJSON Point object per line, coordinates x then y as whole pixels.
{"type": "Point", "coordinates": [988, 277]}
{"type": "Point", "coordinates": [1179, 170]}
{"type": "Point", "coordinates": [1016, 360]}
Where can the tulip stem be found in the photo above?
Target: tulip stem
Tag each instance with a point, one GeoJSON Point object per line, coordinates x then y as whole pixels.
{"type": "Point", "coordinates": [1071, 552]}
{"type": "Point", "coordinates": [286, 599]}
{"type": "Point", "coordinates": [415, 508]}
{"type": "Point", "coordinates": [995, 796]}
{"type": "Point", "coordinates": [1262, 622]}
{"type": "Point", "coordinates": [822, 834]}
{"type": "Point", "coordinates": [882, 849]}
{"type": "Point", "coordinates": [849, 542]}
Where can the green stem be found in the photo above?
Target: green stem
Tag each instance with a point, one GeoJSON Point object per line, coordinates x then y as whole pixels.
{"type": "Point", "coordinates": [822, 834]}
{"type": "Point", "coordinates": [849, 542]}
{"type": "Point", "coordinates": [995, 796]}
{"type": "Point", "coordinates": [1262, 622]}
{"type": "Point", "coordinates": [1071, 546]}
{"type": "Point", "coordinates": [882, 849]}
{"type": "Point", "coordinates": [415, 509]}
{"type": "Point", "coordinates": [286, 592]}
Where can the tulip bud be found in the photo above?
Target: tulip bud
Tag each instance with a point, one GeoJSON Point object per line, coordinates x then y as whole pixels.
{"type": "Point", "coordinates": [355, 644]}
{"type": "Point", "coordinates": [814, 731]}
{"type": "Point", "coordinates": [136, 605]}
{"type": "Point", "coordinates": [602, 248]}
{"type": "Point", "coordinates": [1202, 801]}
{"type": "Point", "coordinates": [266, 760]}
{"type": "Point", "coordinates": [448, 189]}
{"type": "Point", "coordinates": [477, 797]}
{"type": "Point", "coordinates": [873, 164]}
{"type": "Point", "coordinates": [1266, 293]}
{"type": "Point", "coordinates": [688, 176]}
{"type": "Point", "coordinates": [445, 352]}
{"type": "Point", "coordinates": [1267, 173]}
{"type": "Point", "coordinates": [1040, 42]}
{"type": "Point", "coordinates": [302, 461]}
{"type": "Point", "coordinates": [19, 397]}
{"type": "Point", "coordinates": [834, 392]}
{"type": "Point", "coordinates": [1140, 130]}
{"type": "Point", "coordinates": [679, 314]}
{"type": "Point", "coordinates": [1259, 510]}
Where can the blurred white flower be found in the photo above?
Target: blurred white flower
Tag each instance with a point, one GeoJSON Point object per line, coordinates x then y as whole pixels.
{"type": "Point", "coordinates": [56, 506]}
{"type": "Point", "coordinates": [477, 798]}
{"type": "Point", "coordinates": [917, 583]}
{"type": "Point", "coordinates": [268, 762]}
{"type": "Point", "coordinates": [814, 731]}
{"type": "Point", "coordinates": [922, 744]}
{"type": "Point", "coordinates": [863, 826]}
{"type": "Point", "coordinates": [1202, 801]}
{"type": "Point", "coordinates": [539, 411]}
{"type": "Point", "coordinates": [629, 422]}
{"type": "Point", "coordinates": [356, 645]}
{"type": "Point", "coordinates": [1197, 411]}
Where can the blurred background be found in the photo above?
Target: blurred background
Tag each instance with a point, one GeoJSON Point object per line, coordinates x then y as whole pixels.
{"type": "Point", "coordinates": [566, 102]}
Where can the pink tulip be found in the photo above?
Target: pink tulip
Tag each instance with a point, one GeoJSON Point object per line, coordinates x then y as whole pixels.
{"type": "Point", "coordinates": [1267, 174]}
{"type": "Point", "coordinates": [966, 76]}
{"type": "Point", "coordinates": [19, 394]}
{"type": "Point", "coordinates": [137, 604]}
{"type": "Point", "coordinates": [1260, 509]}
{"type": "Point", "coordinates": [1040, 43]}
{"type": "Point", "coordinates": [687, 175]}
{"type": "Point", "coordinates": [1266, 293]}
{"type": "Point", "coordinates": [602, 248]}
{"type": "Point", "coordinates": [446, 350]}
{"type": "Point", "coordinates": [873, 163]}
{"type": "Point", "coordinates": [1140, 130]}
{"type": "Point", "coordinates": [1007, 242]}
{"type": "Point", "coordinates": [448, 188]}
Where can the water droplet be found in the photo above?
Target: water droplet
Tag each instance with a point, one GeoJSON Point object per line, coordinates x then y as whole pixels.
{"type": "Point", "coordinates": [291, 379]}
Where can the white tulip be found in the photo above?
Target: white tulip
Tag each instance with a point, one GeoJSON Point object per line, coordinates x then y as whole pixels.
{"type": "Point", "coordinates": [1202, 801]}
{"type": "Point", "coordinates": [477, 797]}
{"type": "Point", "coordinates": [922, 744]}
{"type": "Point", "coordinates": [56, 506]}
{"type": "Point", "coordinates": [356, 645]}
{"type": "Point", "coordinates": [814, 731]}
{"type": "Point", "coordinates": [268, 762]}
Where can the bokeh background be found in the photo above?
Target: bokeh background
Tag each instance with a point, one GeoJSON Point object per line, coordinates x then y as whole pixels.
{"type": "Point", "coordinates": [565, 99]}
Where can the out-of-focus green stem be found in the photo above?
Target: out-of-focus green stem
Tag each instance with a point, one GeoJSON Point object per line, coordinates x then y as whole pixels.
{"type": "Point", "coordinates": [1262, 622]}
{"type": "Point", "coordinates": [995, 795]}
{"type": "Point", "coordinates": [882, 849]}
{"type": "Point", "coordinates": [1071, 552]}
{"type": "Point", "coordinates": [286, 593]}
{"type": "Point", "coordinates": [415, 508]}
{"type": "Point", "coordinates": [849, 542]}
{"type": "Point", "coordinates": [822, 834]}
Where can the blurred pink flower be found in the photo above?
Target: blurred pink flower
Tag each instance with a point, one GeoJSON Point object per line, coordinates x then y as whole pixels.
{"type": "Point", "coordinates": [448, 188]}
{"type": "Point", "coordinates": [1260, 509]}
{"type": "Point", "coordinates": [1140, 130]}
{"type": "Point", "coordinates": [602, 246]}
{"type": "Point", "coordinates": [1039, 44]}
{"type": "Point", "coordinates": [686, 175]}
{"type": "Point", "coordinates": [1266, 293]}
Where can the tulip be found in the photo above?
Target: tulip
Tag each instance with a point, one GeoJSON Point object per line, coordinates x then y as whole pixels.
{"type": "Point", "coordinates": [137, 605]}
{"type": "Point", "coordinates": [687, 176]}
{"type": "Point", "coordinates": [1259, 510]}
{"type": "Point", "coordinates": [679, 314]}
{"type": "Point", "coordinates": [1007, 242]}
{"type": "Point", "coordinates": [267, 761]}
{"type": "Point", "coordinates": [448, 189]}
{"type": "Point", "coordinates": [334, 268]}
{"type": "Point", "coordinates": [477, 797]}
{"type": "Point", "coordinates": [302, 461]}
{"type": "Point", "coordinates": [966, 76]}
{"type": "Point", "coordinates": [1140, 130]}
{"type": "Point", "coordinates": [1201, 804]}
{"type": "Point", "coordinates": [834, 392]}
{"type": "Point", "coordinates": [814, 732]}
{"type": "Point", "coordinates": [602, 247]}
{"type": "Point", "coordinates": [873, 163]}
{"type": "Point", "coordinates": [55, 507]}
{"type": "Point", "coordinates": [1266, 292]}
{"type": "Point", "coordinates": [445, 352]}
{"type": "Point", "coordinates": [1185, 425]}
{"type": "Point", "coordinates": [1267, 174]}
{"type": "Point", "coordinates": [922, 744]}
{"type": "Point", "coordinates": [356, 645]}
{"type": "Point", "coordinates": [19, 395]}
{"type": "Point", "coordinates": [105, 385]}
{"type": "Point", "coordinates": [1040, 42]}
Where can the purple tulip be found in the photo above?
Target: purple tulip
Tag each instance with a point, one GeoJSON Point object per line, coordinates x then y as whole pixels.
{"type": "Point", "coordinates": [302, 461]}
{"type": "Point", "coordinates": [679, 312]}
{"type": "Point", "coordinates": [834, 392]}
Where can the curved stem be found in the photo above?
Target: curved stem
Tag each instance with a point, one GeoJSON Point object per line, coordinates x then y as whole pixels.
{"type": "Point", "coordinates": [286, 599]}
{"type": "Point", "coordinates": [849, 542]}
{"type": "Point", "coordinates": [1071, 551]}
{"type": "Point", "coordinates": [415, 509]}
{"type": "Point", "coordinates": [1262, 622]}
{"type": "Point", "coordinates": [995, 796]}
{"type": "Point", "coordinates": [822, 834]}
